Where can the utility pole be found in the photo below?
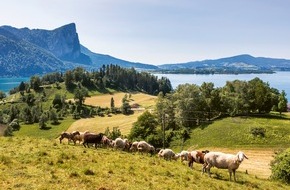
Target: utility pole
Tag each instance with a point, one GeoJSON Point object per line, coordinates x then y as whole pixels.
{"type": "Point", "coordinates": [163, 128]}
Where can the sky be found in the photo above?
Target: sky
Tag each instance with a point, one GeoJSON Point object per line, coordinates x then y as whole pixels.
{"type": "Point", "coordinates": [163, 31]}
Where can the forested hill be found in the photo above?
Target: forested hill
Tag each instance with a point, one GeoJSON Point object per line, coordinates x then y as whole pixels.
{"type": "Point", "coordinates": [108, 76]}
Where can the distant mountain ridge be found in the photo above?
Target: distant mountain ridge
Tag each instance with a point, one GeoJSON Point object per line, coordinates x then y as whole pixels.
{"type": "Point", "coordinates": [240, 62]}
{"type": "Point", "coordinates": [26, 52]}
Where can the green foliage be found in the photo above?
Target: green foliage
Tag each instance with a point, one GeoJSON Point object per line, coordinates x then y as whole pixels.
{"type": "Point", "coordinates": [53, 116]}
{"type": "Point", "coordinates": [125, 108]}
{"type": "Point", "coordinates": [22, 86]}
{"type": "Point", "coordinates": [115, 133]}
{"type": "Point", "coordinates": [15, 125]}
{"type": "Point", "coordinates": [280, 166]}
{"type": "Point", "coordinates": [35, 83]}
{"type": "Point", "coordinates": [80, 94]}
{"type": "Point", "coordinates": [258, 131]}
{"type": "Point", "coordinates": [57, 102]}
{"type": "Point", "coordinates": [2, 95]}
{"type": "Point", "coordinates": [282, 104]}
{"type": "Point", "coordinates": [145, 126]}
{"type": "Point", "coordinates": [42, 121]}
{"type": "Point", "coordinates": [8, 131]}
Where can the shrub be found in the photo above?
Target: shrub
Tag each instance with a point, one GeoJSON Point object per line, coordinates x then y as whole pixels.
{"type": "Point", "coordinates": [15, 125]}
{"type": "Point", "coordinates": [258, 131]}
{"type": "Point", "coordinates": [280, 166]}
{"type": "Point", "coordinates": [8, 131]}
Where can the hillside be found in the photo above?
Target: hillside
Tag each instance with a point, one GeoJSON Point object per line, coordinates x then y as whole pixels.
{"type": "Point", "coordinates": [240, 63]}
{"type": "Point", "coordinates": [21, 58]}
{"type": "Point", "coordinates": [26, 52]}
{"type": "Point", "coordinates": [46, 164]}
{"type": "Point", "coordinates": [99, 59]}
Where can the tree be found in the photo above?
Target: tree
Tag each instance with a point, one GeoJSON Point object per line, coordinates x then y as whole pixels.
{"type": "Point", "coordinates": [13, 112]}
{"type": "Point", "coordinates": [261, 94]}
{"type": "Point", "coordinates": [112, 105]}
{"type": "Point", "coordinates": [27, 115]}
{"type": "Point", "coordinates": [282, 105]}
{"type": "Point", "coordinates": [80, 93]}
{"type": "Point", "coordinates": [125, 108]}
{"type": "Point", "coordinates": [35, 83]}
{"type": "Point", "coordinates": [42, 121]}
{"type": "Point", "coordinates": [2, 95]}
{"type": "Point", "coordinates": [236, 97]}
{"type": "Point", "coordinates": [189, 105]}
{"type": "Point", "coordinates": [211, 98]}
{"type": "Point", "coordinates": [53, 116]}
{"type": "Point", "coordinates": [57, 101]}
{"type": "Point", "coordinates": [15, 125]}
{"type": "Point", "coordinates": [22, 86]}
{"type": "Point", "coordinates": [69, 80]}
{"type": "Point", "coordinates": [145, 126]}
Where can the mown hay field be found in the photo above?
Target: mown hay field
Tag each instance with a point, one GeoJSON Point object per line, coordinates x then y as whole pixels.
{"type": "Point", "coordinates": [100, 124]}
{"type": "Point", "coordinates": [123, 122]}
{"type": "Point", "coordinates": [145, 100]}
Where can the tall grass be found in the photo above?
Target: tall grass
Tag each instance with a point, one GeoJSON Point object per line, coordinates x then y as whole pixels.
{"type": "Point", "coordinates": [34, 163]}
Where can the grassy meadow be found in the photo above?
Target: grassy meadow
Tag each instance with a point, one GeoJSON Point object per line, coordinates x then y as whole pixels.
{"type": "Point", "coordinates": [34, 158]}
{"type": "Point", "coordinates": [37, 163]}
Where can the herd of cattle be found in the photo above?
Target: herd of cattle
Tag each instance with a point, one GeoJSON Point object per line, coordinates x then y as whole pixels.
{"type": "Point", "coordinates": [206, 158]}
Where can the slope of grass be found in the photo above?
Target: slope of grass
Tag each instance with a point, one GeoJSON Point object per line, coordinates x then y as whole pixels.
{"type": "Point", "coordinates": [100, 124]}
{"type": "Point", "coordinates": [35, 163]}
{"type": "Point", "coordinates": [234, 132]}
{"type": "Point", "coordinates": [124, 122]}
{"type": "Point", "coordinates": [52, 131]}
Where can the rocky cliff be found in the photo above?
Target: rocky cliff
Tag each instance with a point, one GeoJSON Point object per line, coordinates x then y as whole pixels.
{"type": "Point", "coordinates": [63, 42]}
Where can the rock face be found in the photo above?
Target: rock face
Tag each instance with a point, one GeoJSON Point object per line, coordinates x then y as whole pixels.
{"type": "Point", "coordinates": [21, 58]}
{"type": "Point", "coordinates": [63, 42]}
{"type": "Point", "coordinates": [26, 52]}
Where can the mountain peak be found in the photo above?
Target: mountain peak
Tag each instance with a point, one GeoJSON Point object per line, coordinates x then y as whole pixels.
{"type": "Point", "coordinates": [71, 27]}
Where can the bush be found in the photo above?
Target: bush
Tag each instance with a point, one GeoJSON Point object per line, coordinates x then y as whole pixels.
{"type": "Point", "coordinates": [15, 125]}
{"type": "Point", "coordinates": [258, 131]}
{"type": "Point", "coordinates": [8, 131]}
{"type": "Point", "coordinates": [280, 167]}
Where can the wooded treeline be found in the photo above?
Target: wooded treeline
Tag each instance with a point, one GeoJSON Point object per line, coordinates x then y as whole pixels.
{"type": "Point", "coordinates": [116, 77]}
{"type": "Point", "coordinates": [108, 76]}
{"type": "Point", "coordinates": [190, 105]}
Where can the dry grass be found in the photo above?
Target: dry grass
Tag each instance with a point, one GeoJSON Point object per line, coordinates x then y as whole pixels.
{"type": "Point", "coordinates": [99, 124]}
{"type": "Point", "coordinates": [124, 122]}
{"type": "Point", "coordinates": [142, 99]}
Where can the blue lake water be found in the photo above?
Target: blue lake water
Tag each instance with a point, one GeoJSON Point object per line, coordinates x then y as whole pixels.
{"type": "Point", "coordinates": [278, 80]}
{"type": "Point", "coordinates": [7, 84]}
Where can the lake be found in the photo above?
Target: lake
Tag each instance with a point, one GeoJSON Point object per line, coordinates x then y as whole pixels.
{"type": "Point", "coordinates": [278, 80]}
{"type": "Point", "coordinates": [7, 84]}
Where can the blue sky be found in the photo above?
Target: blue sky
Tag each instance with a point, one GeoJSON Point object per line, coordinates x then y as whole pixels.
{"type": "Point", "coordinates": [164, 31]}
